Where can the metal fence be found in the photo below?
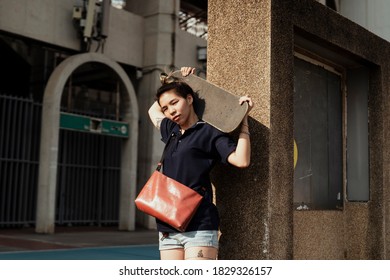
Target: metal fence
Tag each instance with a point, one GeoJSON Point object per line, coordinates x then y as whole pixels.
{"type": "Point", "coordinates": [20, 121]}
{"type": "Point", "coordinates": [87, 178]}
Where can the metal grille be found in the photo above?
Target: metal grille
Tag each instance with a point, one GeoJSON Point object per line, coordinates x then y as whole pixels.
{"type": "Point", "coordinates": [88, 171]}
{"type": "Point", "coordinates": [88, 179]}
{"type": "Point", "coordinates": [19, 152]}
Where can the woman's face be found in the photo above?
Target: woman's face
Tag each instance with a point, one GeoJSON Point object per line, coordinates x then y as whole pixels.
{"type": "Point", "coordinates": [175, 107]}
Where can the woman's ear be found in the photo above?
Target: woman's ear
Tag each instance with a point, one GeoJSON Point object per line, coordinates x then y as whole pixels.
{"type": "Point", "coordinates": [190, 99]}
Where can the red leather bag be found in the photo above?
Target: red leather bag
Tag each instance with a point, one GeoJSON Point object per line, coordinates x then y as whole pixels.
{"type": "Point", "coordinates": [168, 200]}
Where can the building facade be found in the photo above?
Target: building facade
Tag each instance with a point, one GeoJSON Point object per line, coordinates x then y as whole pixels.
{"type": "Point", "coordinates": [76, 144]}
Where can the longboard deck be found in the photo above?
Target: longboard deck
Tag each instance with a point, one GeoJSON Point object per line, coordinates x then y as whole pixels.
{"type": "Point", "coordinates": [215, 105]}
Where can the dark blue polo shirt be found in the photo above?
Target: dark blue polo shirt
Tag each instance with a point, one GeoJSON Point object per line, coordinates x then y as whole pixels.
{"type": "Point", "coordinates": [189, 160]}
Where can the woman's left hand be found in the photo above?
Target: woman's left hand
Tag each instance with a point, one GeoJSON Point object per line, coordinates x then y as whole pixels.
{"type": "Point", "coordinates": [185, 71]}
{"type": "Point", "coordinates": [246, 98]}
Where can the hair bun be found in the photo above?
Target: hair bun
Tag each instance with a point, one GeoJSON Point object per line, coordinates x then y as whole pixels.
{"type": "Point", "coordinates": [167, 78]}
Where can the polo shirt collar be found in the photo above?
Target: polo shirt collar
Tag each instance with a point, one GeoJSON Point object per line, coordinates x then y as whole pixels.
{"type": "Point", "coordinates": [198, 124]}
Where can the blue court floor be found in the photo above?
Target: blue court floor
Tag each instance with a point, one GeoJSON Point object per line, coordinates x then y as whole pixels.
{"type": "Point", "coordinates": [133, 252]}
{"type": "Point", "coordinates": [79, 243]}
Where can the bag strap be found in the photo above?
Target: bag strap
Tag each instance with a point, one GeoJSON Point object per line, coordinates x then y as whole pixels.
{"type": "Point", "coordinates": [163, 154]}
{"type": "Point", "coordinates": [159, 165]}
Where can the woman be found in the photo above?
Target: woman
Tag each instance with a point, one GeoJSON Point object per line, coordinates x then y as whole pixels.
{"type": "Point", "coordinates": [194, 148]}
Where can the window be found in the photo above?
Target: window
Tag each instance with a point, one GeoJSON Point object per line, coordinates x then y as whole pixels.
{"type": "Point", "coordinates": [318, 136]}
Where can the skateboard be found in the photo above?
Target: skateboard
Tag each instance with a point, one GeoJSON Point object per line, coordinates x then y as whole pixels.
{"type": "Point", "coordinates": [215, 105]}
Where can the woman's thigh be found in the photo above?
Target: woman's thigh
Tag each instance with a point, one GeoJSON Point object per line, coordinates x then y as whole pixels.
{"type": "Point", "coordinates": [201, 253]}
{"type": "Point", "coordinates": [202, 245]}
{"type": "Point", "coordinates": [189, 245]}
{"type": "Point", "coordinates": [172, 254]}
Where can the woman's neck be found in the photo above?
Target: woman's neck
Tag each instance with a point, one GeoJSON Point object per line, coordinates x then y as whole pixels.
{"type": "Point", "coordinates": [193, 119]}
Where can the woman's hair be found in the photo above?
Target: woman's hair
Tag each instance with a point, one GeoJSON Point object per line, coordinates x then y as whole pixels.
{"type": "Point", "coordinates": [169, 82]}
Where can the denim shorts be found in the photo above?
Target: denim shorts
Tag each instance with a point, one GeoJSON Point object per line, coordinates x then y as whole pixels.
{"type": "Point", "coordinates": [184, 240]}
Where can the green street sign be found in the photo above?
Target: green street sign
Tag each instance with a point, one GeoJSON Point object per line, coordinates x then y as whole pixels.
{"type": "Point", "coordinates": [94, 125]}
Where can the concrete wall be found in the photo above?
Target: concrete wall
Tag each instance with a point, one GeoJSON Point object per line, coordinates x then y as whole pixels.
{"type": "Point", "coordinates": [186, 49]}
{"type": "Point", "coordinates": [50, 21]}
{"type": "Point", "coordinates": [258, 220]}
{"type": "Point", "coordinates": [239, 59]}
{"type": "Point", "coordinates": [372, 15]}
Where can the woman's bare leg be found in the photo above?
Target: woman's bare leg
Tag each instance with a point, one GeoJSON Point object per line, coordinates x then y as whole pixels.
{"type": "Point", "coordinates": [201, 253]}
{"type": "Point", "coordinates": [172, 254]}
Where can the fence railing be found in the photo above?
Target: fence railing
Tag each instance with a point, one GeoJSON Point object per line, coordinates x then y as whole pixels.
{"type": "Point", "coordinates": [87, 178]}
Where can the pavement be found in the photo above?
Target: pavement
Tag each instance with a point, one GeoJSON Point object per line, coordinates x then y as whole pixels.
{"type": "Point", "coordinates": [76, 243]}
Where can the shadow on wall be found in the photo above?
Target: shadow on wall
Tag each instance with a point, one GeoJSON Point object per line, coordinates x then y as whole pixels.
{"type": "Point", "coordinates": [241, 195]}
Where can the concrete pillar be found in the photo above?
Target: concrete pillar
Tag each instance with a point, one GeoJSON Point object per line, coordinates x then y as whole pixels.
{"type": "Point", "coordinates": [255, 204]}
{"type": "Point", "coordinates": [160, 33]}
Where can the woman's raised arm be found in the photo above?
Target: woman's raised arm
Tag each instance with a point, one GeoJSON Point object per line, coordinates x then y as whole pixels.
{"type": "Point", "coordinates": [241, 157]}
{"type": "Point", "coordinates": [156, 115]}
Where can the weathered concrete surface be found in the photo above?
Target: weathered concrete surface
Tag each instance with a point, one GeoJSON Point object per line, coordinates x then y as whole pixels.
{"type": "Point", "coordinates": [255, 203]}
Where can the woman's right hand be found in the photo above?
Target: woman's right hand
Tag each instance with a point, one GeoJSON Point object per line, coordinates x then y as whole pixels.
{"type": "Point", "coordinates": [246, 98]}
{"type": "Point", "coordinates": [185, 71]}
